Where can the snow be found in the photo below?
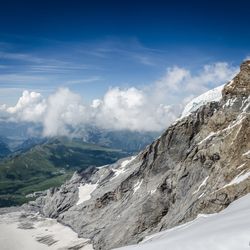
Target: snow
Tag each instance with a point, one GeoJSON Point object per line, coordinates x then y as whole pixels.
{"type": "Point", "coordinates": [152, 191]}
{"type": "Point", "coordinates": [13, 237]}
{"type": "Point", "coordinates": [122, 169]}
{"type": "Point", "coordinates": [201, 195]}
{"type": "Point", "coordinates": [84, 192]}
{"type": "Point", "coordinates": [227, 230]}
{"type": "Point", "coordinates": [212, 95]}
{"type": "Point", "coordinates": [230, 102]}
{"type": "Point", "coordinates": [240, 118]}
{"type": "Point", "coordinates": [239, 178]}
{"type": "Point", "coordinates": [137, 185]}
{"type": "Point", "coordinates": [205, 139]}
{"type": "Point", "coordinates": [104, 166]}
{"type": "Point", "coordinates": [201, 185]}
{"type": "Point", "coordinates": [247, 153]}
{"type": "Point", "coordinates": [241, 166]}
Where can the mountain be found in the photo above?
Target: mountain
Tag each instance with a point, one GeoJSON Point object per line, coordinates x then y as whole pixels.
{"type": "Point", "coordinates": [129, 141]}
{"type": "Point", "coordinates": [47, 165]}
{"type": "Point", "coordinates": [28, 144]}
{"type": "Point", "coordinates": [4, 149]}
{"type": "Point", "coordinates": [20, 137]}
{"type": "Point", "coordinates": [199, 165]}
{"type": "Point", "coordinates": [15, 133]}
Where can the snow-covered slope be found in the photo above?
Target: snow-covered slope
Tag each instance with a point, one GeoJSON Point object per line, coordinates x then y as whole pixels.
{"type": "Point", "coordinates": [210, 96]}
{"type": "Point", "coordinates": [227, 230]}
{"type": "Point", "coordinates": [20, 231]}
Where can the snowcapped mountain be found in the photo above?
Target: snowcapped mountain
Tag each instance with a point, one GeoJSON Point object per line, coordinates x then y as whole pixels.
{"type": "Point", "coordinates": [199, 165]}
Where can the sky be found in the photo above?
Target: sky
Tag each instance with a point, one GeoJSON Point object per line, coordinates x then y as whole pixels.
{"type": "Point", "coordinates": [95, 49]}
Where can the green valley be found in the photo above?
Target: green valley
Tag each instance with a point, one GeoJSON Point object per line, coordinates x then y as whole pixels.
{"type": "Point", "coordinates": [48, 165]}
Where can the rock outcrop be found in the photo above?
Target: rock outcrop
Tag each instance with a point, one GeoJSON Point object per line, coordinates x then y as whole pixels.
{"type": "Point", "coordinates": [200, 164]}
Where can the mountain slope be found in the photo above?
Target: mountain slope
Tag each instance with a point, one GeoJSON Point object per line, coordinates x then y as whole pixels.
{"type": "Point", "coordinates": [48, 165]}
{"type": "Point", "coordinates": [227, 230]}
{"type": "Point", "coordinates": [200, 164]}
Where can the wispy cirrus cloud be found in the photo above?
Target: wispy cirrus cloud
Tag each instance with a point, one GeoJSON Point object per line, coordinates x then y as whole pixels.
{"type": "Point", "coordinates": [83, 81]}
{"type": "Point", "coordinates": [20, 57]}
{"type": "Point", "coordinates": [6, 79]}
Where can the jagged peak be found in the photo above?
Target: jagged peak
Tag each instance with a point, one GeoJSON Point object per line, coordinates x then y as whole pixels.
{"type": "Point", "coordinates": [240, 85]}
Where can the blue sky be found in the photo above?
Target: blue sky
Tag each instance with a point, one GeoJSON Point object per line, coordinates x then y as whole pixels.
{"type": "Point", "coordinates": [92, 46]}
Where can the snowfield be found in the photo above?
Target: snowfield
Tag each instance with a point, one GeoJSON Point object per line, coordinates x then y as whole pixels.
{"type": "Point", "coordinates": [84, 192]}
{"type": "Point", "coordinates": [227, 230]}
{"type": "Point", "coordinates": [37, 233]}
{"type": "Point", "coordinates": [213, 95]}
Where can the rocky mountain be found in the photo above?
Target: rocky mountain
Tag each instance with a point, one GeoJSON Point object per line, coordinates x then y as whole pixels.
{"type": "Point", "coordinates": [199, 165]}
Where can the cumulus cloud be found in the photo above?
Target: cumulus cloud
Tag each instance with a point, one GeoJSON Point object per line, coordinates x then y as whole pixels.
{"type": "Point", "coordinates": [151, 108]}
{"type": "Point", "coordinates": [64, 110]}
{"type": "Point", "coordinates": [30, 107]}
{"type": "Point", "coordinates": [181, 83]}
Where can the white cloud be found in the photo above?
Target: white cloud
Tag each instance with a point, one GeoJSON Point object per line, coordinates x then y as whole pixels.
{"type": "Point", "coordinates": [183, 82]}
{"type": "Point", "coordinates": [64, 110]}
{"type": "Point", "coordinates": [30, 107]}
{"type": "Point", "coordinates": [148, 109]}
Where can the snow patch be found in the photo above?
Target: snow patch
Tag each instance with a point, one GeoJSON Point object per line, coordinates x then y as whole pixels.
{"type": "Point", "coordinates": [201, 185]}
{"type": "Point", "coordinates": [84, 192]}
{"type": "Point", "coordinates": [231, 126]}
{"type": "Point", "coordinates": [137, 186]}
{"type": "Point", "coordinates": [241, 166]}
{"type": "Point", "coordinates": [201, 195]}
{"type": "Point", "coordinates": [213, 95]}
{"type": "Point", "coordinates": [230, 102]}
{"type": "Point", "coordinates": [247, 153]}
{"type": "Point", "coordinates": [205, 139]}
{"type": "Point", "coordinates": [122, 169]}
{"type": "Point", "coordinates": [238, 179]}
{"type": "Point", "coordinates": [152, 191]}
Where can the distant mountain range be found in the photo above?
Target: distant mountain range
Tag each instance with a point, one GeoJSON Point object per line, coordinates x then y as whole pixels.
{"type": "Point", "coordinates": [4, 149]}
{"type": "Point", "coordinates": [18, 137]}
{"type": "Point", "coordinates": [32, 164]}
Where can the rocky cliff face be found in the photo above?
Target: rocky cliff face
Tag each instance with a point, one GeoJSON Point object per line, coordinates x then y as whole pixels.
{"type": "Point", "coordinates": [200, 164]}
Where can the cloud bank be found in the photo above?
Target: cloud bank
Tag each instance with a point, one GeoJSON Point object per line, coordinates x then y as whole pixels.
{"type": "Point", "coordinates": [150, 108]}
